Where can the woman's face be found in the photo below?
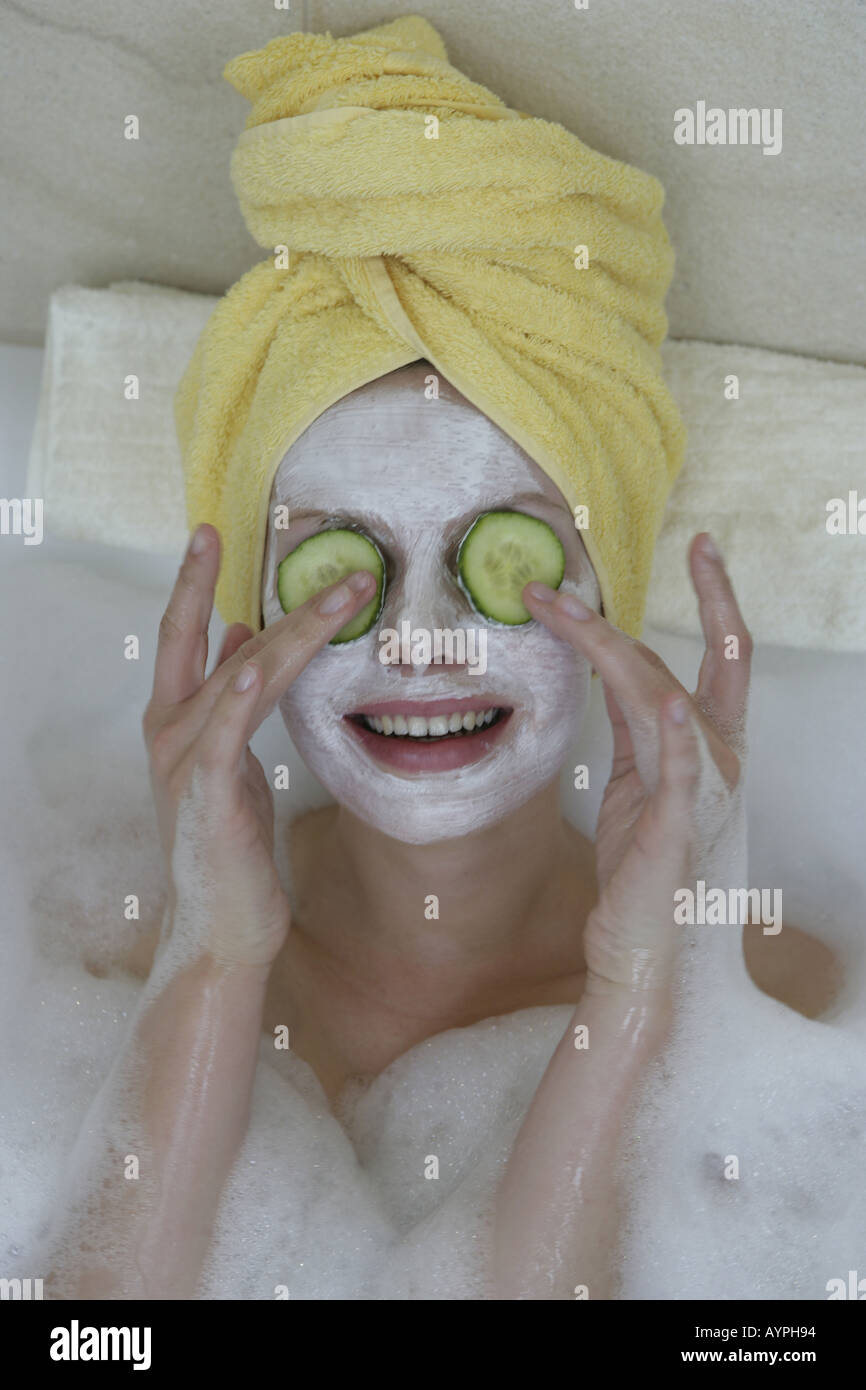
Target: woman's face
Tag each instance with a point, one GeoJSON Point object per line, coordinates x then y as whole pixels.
{"type": "Point", "coordinates": [413, 474]}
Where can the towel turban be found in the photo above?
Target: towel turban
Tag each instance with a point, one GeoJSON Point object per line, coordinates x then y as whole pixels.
{"type": "Point", "coordinates": [410, 213]}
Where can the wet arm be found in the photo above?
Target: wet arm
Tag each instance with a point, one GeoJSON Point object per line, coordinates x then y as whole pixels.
{"type": "Point", "coordinates": [557, 1207]}
{"type": "Point", "coordinates": [177, 1102]}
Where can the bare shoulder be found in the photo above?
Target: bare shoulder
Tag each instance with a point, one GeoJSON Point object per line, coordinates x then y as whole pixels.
{"type": "Point", "coordinates": [135, 959]}
{"type": "Point", "coordinates": [793, 967]}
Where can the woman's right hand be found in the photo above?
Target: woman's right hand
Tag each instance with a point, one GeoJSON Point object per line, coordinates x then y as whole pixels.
{"type": "Point", "coordinates": [213, 801]}
{"type": "Point", "coordinates": [674, 788]}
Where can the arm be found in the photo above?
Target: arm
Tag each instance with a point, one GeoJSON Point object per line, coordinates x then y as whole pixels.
{"type": "Point", "coordinates": [672, 789]}
{"type": "Point", "coordinates": [176, 1102]}
{"type": "Point", "coordinates": [557, 1207]}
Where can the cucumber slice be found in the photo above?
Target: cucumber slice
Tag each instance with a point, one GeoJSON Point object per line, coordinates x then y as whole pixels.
{"type": "Point", "coordinates": [500, 553]}
{"type": "Point", "coordinates": [322, 560]}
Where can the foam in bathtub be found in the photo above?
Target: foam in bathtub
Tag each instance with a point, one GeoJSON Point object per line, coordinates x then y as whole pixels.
{"type": "Point", "coordinates": [321, 1207]}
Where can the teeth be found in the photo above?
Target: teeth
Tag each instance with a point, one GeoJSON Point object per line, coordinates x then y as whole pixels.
{"type": "Point", "coordinates": [436, 727]}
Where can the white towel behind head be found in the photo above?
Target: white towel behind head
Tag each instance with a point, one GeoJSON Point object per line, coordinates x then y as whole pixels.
{"type": "Point", "coordinates": [758, 474]}
{"type": "Point", "coordinates": [108, 467]}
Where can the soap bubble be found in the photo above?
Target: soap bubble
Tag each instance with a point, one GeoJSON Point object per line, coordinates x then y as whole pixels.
{"type": "Point", "coordinates": [332, 1206]}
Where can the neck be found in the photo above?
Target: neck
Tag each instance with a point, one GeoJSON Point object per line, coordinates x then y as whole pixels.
{"type": "Point", "coordinates": [504, 903]}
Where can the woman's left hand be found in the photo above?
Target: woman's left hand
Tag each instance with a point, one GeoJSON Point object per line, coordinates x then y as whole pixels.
{"type": "Point", "coordinates": [667, 802]}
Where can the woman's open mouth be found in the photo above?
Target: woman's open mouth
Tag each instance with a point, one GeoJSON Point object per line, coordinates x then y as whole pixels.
{"type": "Point", "coordinates": [430, 735]}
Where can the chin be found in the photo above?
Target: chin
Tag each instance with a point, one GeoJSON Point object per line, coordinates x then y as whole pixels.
{"type": "Point", "coordinates": [415, 806]}
{"type": "Point", "coordinates": [428, 821]}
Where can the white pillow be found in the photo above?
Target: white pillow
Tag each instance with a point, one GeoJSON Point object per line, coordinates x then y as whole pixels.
{"type": "Point", "coordinates": [773, 440]}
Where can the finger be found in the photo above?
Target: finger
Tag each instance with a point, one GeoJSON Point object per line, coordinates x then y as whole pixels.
{"type": "Point", "coordinates": [200, 662]}
{"type": "Point", "coordinates": [637, 947]}
{"type": "Point", "coordinates": [224, 738]}
{"type": "Point", "coordinates": [636, 676]}
{"type": "Point", "coordinates": [180, 653]}
{"type": "Point", "coordinates": [723, 680]}
{"type": "Point", "coordinates": [671, 805]}
{"type": "Point", "coordinates": [658, 859]}
{"type": "Point", "coordinates": [623, 747]}
{"type": "Point", "coordinates": [234, 637]}
{"type": "Point", "coordinates": [282, 650]}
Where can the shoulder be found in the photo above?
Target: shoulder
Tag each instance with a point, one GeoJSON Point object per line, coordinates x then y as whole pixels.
{"type": "Point", "coordinates": [793, 967]}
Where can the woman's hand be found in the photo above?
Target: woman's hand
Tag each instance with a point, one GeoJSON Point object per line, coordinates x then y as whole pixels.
{"type": "Point", "coordinates": [213, 801]}
{"type": "Point", "coordinates": [676, 770]}
{"type": "Point", "coordinates": [673, 792]}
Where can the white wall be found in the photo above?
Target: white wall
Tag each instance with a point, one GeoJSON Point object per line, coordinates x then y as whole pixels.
{"type": "Point", "coordinates": [770, 249]}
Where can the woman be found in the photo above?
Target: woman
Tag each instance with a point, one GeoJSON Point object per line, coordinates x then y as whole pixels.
{"type": "Point", "coordinates": [420, 234]}
{"type": "Point", "coordinates": [529, 911]}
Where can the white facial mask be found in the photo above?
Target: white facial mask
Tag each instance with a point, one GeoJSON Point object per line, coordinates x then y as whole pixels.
{"type": "Point", "coordinates": [413, 473]}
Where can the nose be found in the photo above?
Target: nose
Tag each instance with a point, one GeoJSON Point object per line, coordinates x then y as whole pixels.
{"type": "Point", "coordinates": [425, 598]}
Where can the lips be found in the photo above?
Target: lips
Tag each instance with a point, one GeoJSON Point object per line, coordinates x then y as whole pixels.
{"type": "Point", "coordinates": [424, 736]}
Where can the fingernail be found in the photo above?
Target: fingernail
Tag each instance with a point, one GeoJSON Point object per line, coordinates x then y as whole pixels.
{"type": "Point", "coordinates": [338, 599]}
{"type": "Point", "coordinates": [198, 541]}
{"type": "Point", "coordinates": [245, 678]}
{"type": "Point", "coordinates": [540, 592]}
{"type": "Point", "coordinates": [359, 581]}
{"type": "Point", "coordinates": [677, 712]}
{"type": "Point", "coordinates": [572, 607]}
{"type": "Point", "coordinates": [711, 550]}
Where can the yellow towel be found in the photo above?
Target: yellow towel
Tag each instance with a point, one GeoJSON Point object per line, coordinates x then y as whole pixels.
{"type": "Point", "coordinates": [420, 217]}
